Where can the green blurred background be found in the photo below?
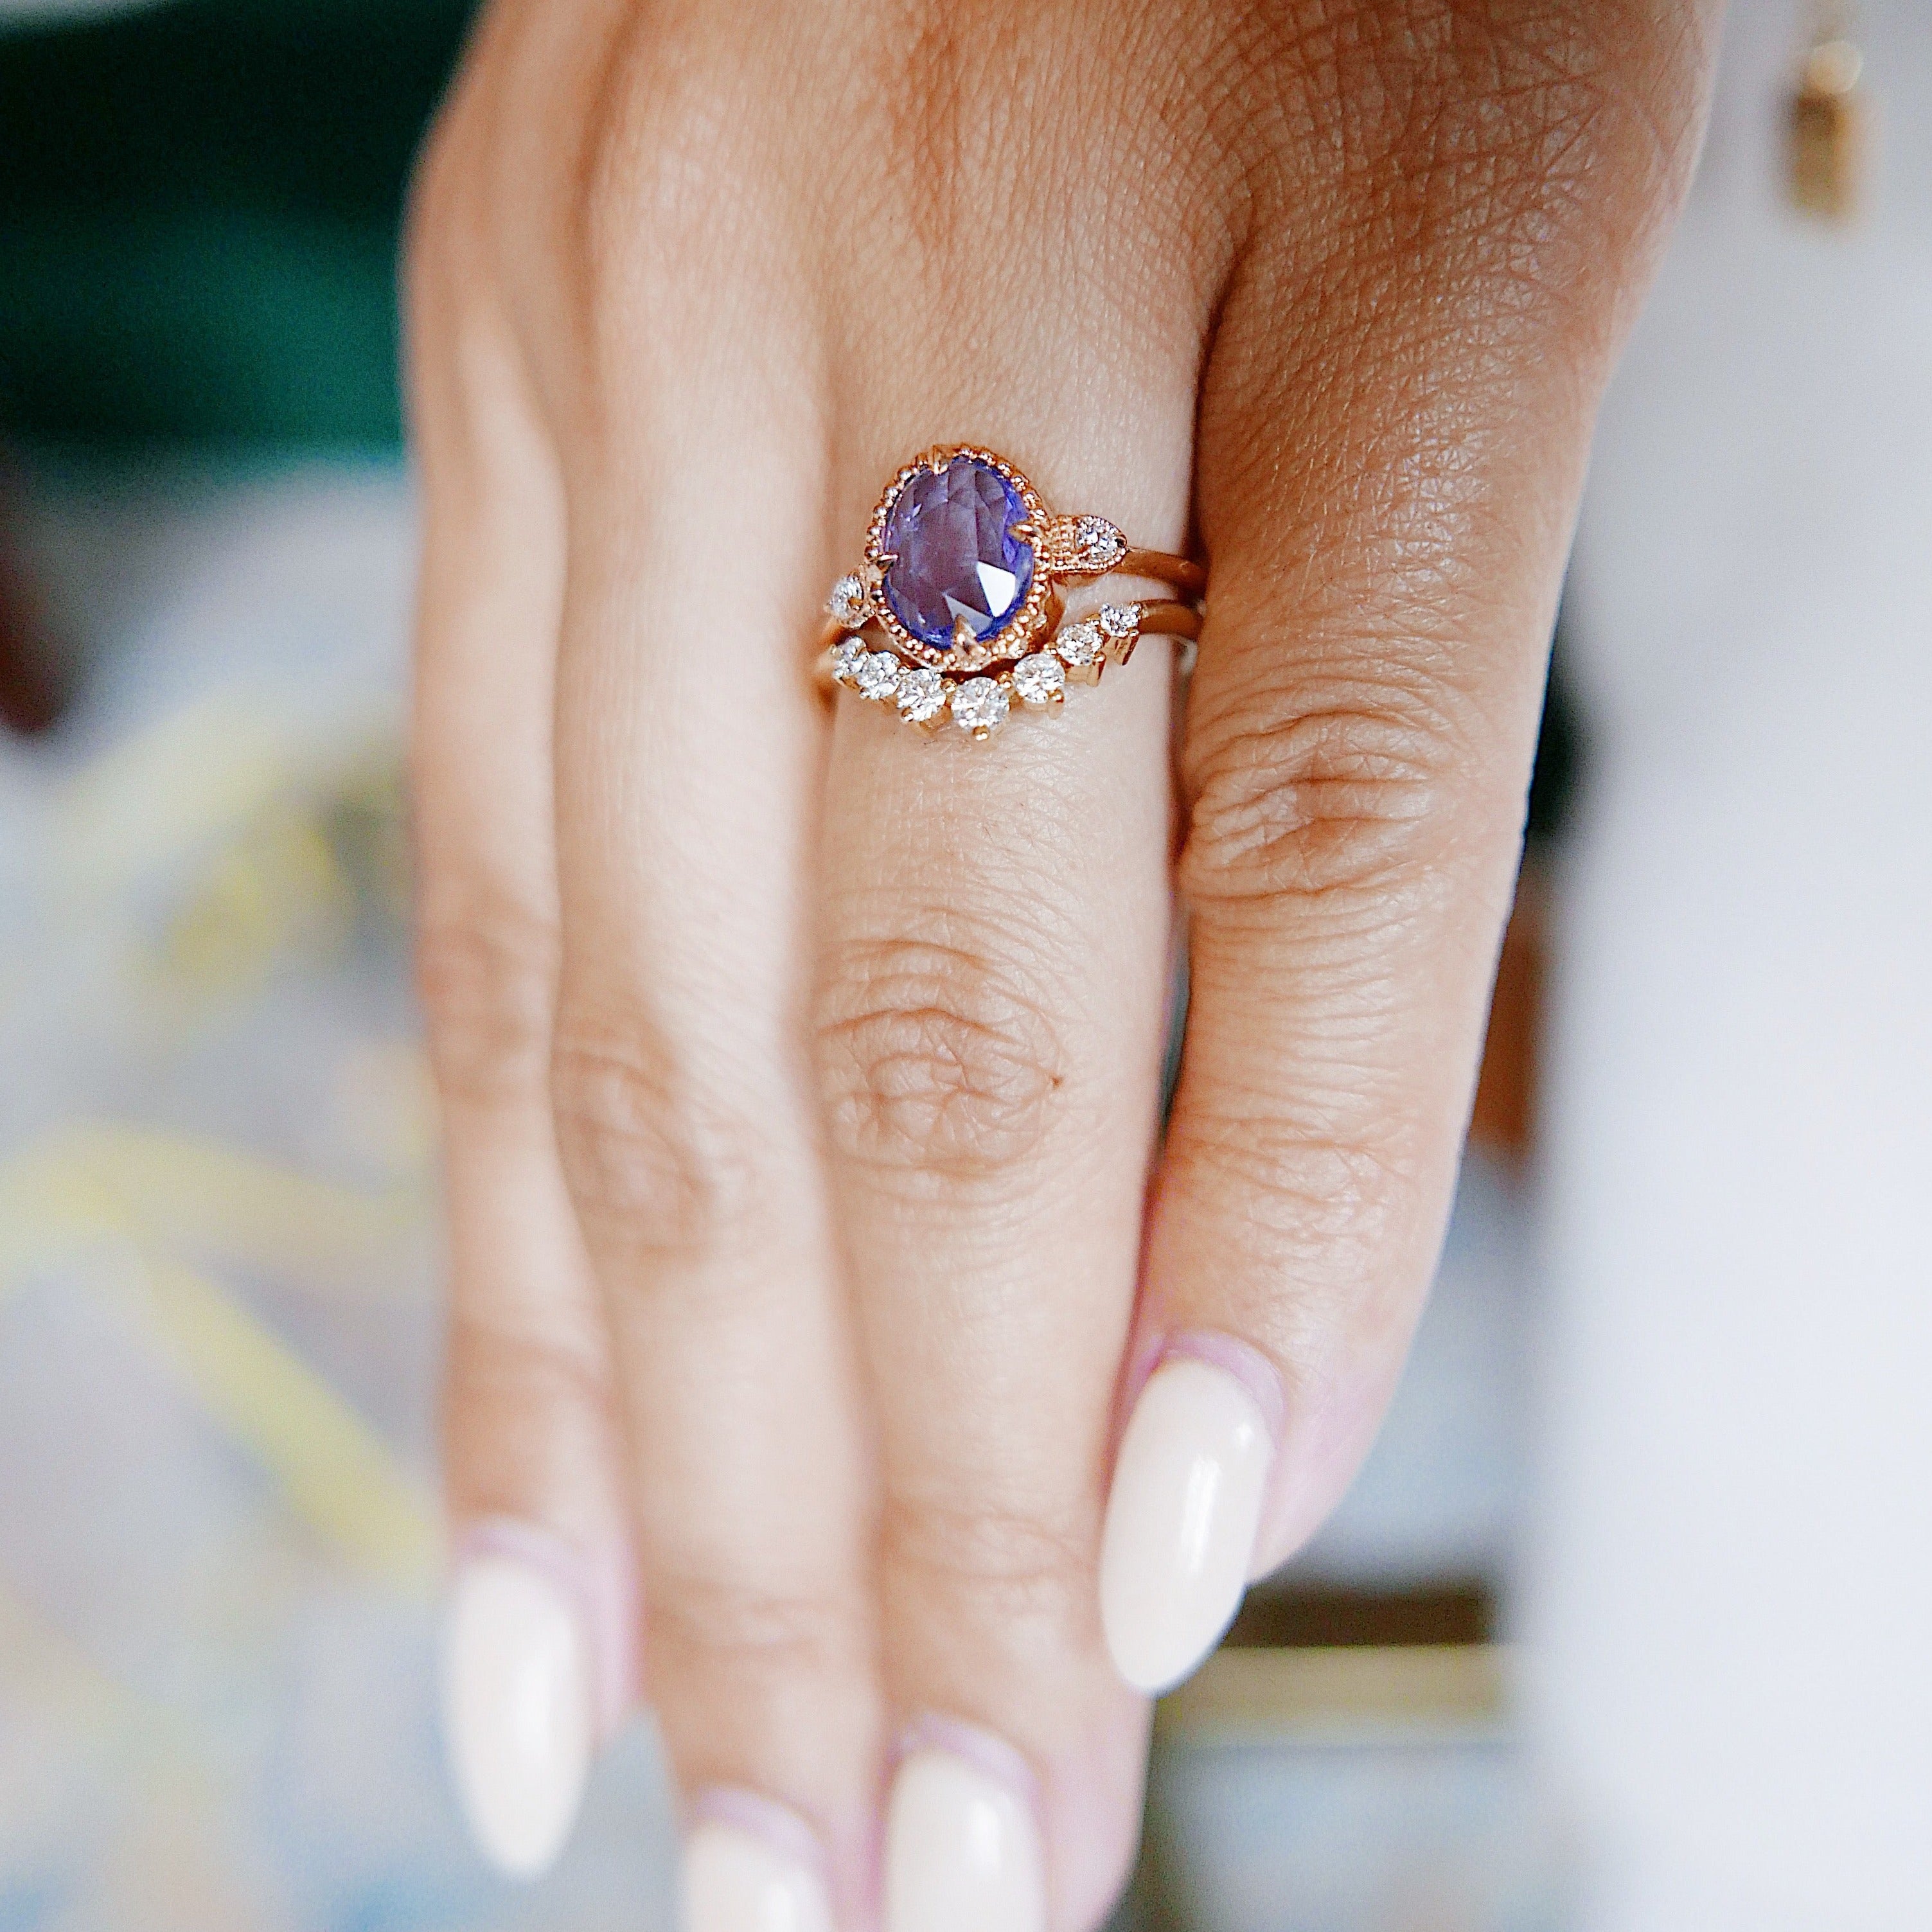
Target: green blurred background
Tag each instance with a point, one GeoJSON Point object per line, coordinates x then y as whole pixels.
{"type": "Point", "coordinates": [199, 205]}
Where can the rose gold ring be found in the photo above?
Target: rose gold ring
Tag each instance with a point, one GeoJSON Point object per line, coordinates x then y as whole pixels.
{"type": "Point", "coordinates": [956, 612]}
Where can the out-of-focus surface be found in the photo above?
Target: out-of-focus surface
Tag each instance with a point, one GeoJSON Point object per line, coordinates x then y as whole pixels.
{"type": "Point", "coordinates": [200, 206]}
{"type": "Point", "coordinates": [1727, 1592]}
{"type": "Point", "coordinates": [218, 1322]}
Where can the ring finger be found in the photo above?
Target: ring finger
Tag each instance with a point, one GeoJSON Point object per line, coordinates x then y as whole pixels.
{"type": "Point", "coordinates": [996, 926]}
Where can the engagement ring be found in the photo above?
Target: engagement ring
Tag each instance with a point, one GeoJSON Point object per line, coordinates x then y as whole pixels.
{"type": "Point", "coordinates": [956, 614]}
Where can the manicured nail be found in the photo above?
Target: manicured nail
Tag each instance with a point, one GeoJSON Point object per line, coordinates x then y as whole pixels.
{"type": "Point", "coordinates": [962, 1846]}
{"type": "Point", "coordinates": [736, 1880]}
{"type": "Point", "coordinates": [1182, 1519]}
{"type": "Point", "coordinates": [518, 1706]}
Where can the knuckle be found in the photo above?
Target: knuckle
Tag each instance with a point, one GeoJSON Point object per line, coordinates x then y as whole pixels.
{"type": "Point", "coordinates": [667, 162]}
{"type": "Point", "coordinates": [1319, 795]}
{"type": "Point", "coordinates": [1012, 1563]}
{"type": "Point", "coordinates": [1321, 1227]}
{"type": "Point", "coordinates": [486, 971]}
{"type": "Point", "coordinates": [746, 1623]}
{"type": "Point", "coordinates": [935, 1062]}
{"type": "Point", "coordinates": [1304, 1186]}
{"type": "Point", "coordinates": [652, 1162]}
{"type": "Point", "coordinates": [499, 1370]}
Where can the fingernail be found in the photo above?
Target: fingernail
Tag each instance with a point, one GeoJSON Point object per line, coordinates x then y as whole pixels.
{"type": "Point", "coordinates": [962, 1846]}
{"type": "Point", "coordinates": [1186, 1505]}
{"type": "Point", "coordinates": [518, 1706]}
{"type": "Point", "coordinates": [739, 1878]}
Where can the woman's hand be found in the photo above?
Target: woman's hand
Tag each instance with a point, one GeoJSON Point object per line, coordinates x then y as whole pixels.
{"type": "Point", "coordinates": [814, 1238]}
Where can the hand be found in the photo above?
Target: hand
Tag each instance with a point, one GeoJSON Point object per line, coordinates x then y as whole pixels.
{"type": "Point", "coordinates": [813, 1238]}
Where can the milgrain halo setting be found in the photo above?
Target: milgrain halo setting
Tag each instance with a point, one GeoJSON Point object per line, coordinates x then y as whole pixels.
{"type": "Point", "coordinates": [956, 612]}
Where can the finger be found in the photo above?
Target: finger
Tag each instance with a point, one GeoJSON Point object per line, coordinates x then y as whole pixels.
{"type": "Point", "coordinates": [687, 777]}
{"type": "Point", "coordinates": [1357, 751]}
{"type": "Point", "coordinates": [539, 1635]}
{"type": "Point", "coordinates": [996, 919]}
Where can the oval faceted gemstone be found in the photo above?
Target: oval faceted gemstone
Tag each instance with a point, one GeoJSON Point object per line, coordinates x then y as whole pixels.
{"type": "Point", "coordinates": [957, 558]}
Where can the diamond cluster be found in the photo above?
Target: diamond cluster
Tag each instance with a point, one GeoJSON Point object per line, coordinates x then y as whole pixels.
{"type": "Point", "coordinates": [980, 705]}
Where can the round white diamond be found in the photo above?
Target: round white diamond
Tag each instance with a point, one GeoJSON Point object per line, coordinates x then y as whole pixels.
{"type": "Point", "coordinates": [1098, 544]}
{"type": "Point", "coordinates": [1040, 679]}
{"type": "Point", "coordinates": [1078, 644]}
{"type": "Point", "coordinates": [846, 655]}
{"type": "Point", "coordinates": [980, 704]}
{"type": "Point", "coordinates": [878, 674]}
{"type": "Point", "coordinates": [921, 695]}
{"type": "Point", "coordinates": [850, 603]}
{"type": "Point", "coordinates": [1119, 620]}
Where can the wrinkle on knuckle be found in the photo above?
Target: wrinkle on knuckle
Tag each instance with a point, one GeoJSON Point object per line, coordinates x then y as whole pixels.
{"type": "Point", "coordinates": [1302, 1182]}
{"type": "Point", "coordinates": [486, 971]}
{"type": "Point", "coordinates": [1320, 795]}
{"type": "Point", "coordinates": [1011, 1563]}
{"type": "Point", "coordinates": [742, 1622]}
{"type": "Point", "coordinates": [497, 1366]}
{"type": "Point", "coordinates": [652, 1164]}
{"type": "Point", "coordinates": [666, 166]}
{"type": "Point", "coordinates": [935, 1062]}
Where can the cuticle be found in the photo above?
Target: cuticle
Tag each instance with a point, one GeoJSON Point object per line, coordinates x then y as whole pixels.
{"type": "Point", "coordinates": [786, 1831]}
{"type": "Point", "coordinates": [985, 1750]}
{"type": "Point", "coordinates": [1241, 1360]}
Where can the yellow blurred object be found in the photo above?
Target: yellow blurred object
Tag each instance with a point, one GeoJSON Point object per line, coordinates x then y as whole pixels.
{"type": "Point", "coordinates": [337, 1473]}
{"type": "Point", "coordinates": [1342, 1694]}
{"type": "Point", "coordinates": [276, 889]}
{"type": "Point", "coordinates": [92, 1191]}
{"type": "Point", "coordinates": [1829, 132]}
{"type": "Point", "coordinates": [180, 1193]}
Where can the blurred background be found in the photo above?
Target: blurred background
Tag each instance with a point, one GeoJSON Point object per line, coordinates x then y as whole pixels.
{"type": "Point", "coordinates": [1622, 1625]}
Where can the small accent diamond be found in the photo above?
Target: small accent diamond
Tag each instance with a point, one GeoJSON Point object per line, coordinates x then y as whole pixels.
{"type": "Point", "coordinates": [1079, 643]}
{"type": "Point", "coordinates": [846, 655]}
{"type": "Point", "coordinates": [851, 603]}
{"type": "Point", "coordinates": [878, 674]}
{"type": "Point", "coordinates": [921, 695]}
{"type": "Point", "coordinates": [1119, 620]}
{"type": "Point", "coordinates": [979, 706]}
{"type": "Point", "coordinates": [1040, 679]}
{"type": "Point", "coordinates": [1097, 543]}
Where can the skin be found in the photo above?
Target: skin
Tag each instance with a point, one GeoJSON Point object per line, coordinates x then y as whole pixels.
{"type": "Point", "coordinates": [810, 1222]}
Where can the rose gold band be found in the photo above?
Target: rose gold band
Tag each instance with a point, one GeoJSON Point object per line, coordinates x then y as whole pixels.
{"type": "Point", "coordinates": [1157, 566]}
{"type": "Point", "coordinates": [1188, 577]}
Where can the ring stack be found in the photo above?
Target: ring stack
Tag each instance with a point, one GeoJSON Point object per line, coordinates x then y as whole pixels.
{"type": "Point", "coordinates": [955, 615]}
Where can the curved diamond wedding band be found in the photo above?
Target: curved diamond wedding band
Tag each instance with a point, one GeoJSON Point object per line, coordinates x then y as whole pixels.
{"type": "Point", "coordinates": [956, 613]}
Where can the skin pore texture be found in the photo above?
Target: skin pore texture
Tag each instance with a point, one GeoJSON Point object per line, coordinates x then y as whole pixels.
{"type": "Point", "coordinates": [816, 1254]}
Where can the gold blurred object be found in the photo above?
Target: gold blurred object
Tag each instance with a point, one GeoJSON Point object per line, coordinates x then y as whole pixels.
{"type": "Point", "coordinates": [1829, 128]}
{"type": "Point", "coordinates": [1340, 1694]}
{"type": "Point", "coordinates": [275, 888]}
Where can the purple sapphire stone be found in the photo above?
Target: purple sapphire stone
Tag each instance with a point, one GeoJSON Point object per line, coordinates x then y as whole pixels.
{"type": "Point", "coordinates": [951, 536]}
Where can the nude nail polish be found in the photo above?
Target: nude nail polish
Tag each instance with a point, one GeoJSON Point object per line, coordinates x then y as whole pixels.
{"type": "Point", "coordinates": [517, 1708]}
{"type": "Point", "coordinates": [736, 1880]}
{"type": "Point", "coordinates": [1182, 1516]}
{"type": "Point", "coordinates": [963, 1849]}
